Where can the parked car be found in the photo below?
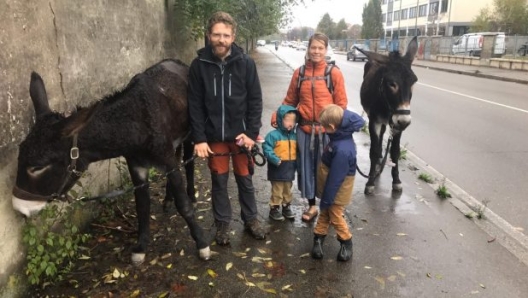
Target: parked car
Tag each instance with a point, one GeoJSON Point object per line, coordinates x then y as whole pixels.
{"type": "Point", "coordinates": [471, 44]}
{"type": "Point", "coordinates": [523, 50]}
{"type": "Point", "coordinates": [330, 55]}
{"type": "Point", "coordinates": [354, 54]}
{"type": "Point", "coordinates": [261, 42]}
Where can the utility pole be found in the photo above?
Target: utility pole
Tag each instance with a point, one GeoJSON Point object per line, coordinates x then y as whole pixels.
{"type": "Point", "coordinates": [416, 18]}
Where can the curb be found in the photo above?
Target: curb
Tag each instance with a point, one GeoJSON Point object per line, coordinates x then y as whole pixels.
{"type": "Point", "coordinates": [480, 75]}
{"type": "Point", "coordinates": [502, 231]}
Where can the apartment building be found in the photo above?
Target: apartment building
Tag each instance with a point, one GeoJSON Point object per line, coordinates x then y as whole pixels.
{"type": "Point", "coordinates": [430, 17]}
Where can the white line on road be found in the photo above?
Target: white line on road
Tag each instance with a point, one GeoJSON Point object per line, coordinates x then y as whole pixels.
{"type": "Point", "coordinates": [475, 98]}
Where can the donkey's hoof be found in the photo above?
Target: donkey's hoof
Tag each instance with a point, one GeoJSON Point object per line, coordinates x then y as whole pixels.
{"type": "Point", "coordinates": [369, 190]}
{"type": "Point", "coordinates": [138, 258]}
{"type": "Point", "coordinates": [205, 253]}
{"type": "Point", "coordinates": [397, 187]}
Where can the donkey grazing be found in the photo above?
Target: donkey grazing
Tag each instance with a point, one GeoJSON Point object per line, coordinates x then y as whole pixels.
{"type": "Point", "coordinates": [386, 94]}
{"type": "Point", "coordinates": [144, 123]}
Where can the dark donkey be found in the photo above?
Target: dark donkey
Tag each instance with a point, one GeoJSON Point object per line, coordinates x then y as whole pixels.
{"type": "Point", "coordinates": [144, 123]}
{"type": "Point", "coordinates": [386, 94]}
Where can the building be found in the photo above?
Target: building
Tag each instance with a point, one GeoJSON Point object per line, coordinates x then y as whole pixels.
{"type": "Point", "coordinates": [429, 17]}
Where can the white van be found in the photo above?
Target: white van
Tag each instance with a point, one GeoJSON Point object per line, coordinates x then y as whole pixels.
{"type": "Point", "coordinates": [471, 44]}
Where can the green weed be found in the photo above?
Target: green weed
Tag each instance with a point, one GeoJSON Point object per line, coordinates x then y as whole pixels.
{"type": "Point", "coordinates": [425, 177]}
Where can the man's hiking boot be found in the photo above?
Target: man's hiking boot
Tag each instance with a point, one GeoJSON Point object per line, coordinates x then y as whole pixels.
{"type": "Point", "coordinates": [275, 213]}
{"type": "Point", "coordinates": [287, 212]}
{"type": "Point", "coordinates": [222, 233]}
{"type": "Point", "coordinates": [254, 228]}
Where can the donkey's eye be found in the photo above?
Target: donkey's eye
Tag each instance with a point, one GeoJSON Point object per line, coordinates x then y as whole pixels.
{"type": "Point", "coordinates": [393, 86]}
{"type": "Point", "coordinates": [37, 170]}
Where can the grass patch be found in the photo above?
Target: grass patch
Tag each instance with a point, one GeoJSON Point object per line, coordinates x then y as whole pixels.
{"type": "Point", "coordinates": [425, 177]}
{"type": "Point", "coordinates": [403, 153]}
{"type": "Point", "coordinates": [442, 191]}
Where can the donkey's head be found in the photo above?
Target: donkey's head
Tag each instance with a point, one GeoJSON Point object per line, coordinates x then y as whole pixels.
{"type": "Point", "coordinates": [44, 160]}
{"type": "Point", "coordinates": [390, 80]}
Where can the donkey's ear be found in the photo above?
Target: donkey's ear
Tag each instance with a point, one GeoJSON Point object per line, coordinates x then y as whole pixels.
{"type": "Point", "coordinates": [412, 48]}
{"type": "Point", "coordinates": [38, 94]}
{"type": "Point", "coordinates": [375, 57]}
{"type": "Point", "coordinates": [76, 122]}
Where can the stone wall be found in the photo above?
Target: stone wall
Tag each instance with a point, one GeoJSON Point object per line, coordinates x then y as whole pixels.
{"type": "Point", "coordinates": [84, 50]}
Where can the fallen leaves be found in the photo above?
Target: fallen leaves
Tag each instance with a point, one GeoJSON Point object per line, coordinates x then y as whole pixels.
{"type": "Point", "coordinates": [228, 266]}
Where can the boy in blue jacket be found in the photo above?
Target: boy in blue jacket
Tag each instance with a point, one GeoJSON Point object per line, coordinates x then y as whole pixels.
{"type": "Point", "coordinates": [335, 178]}
{"type": "Point", "coordinates": [280, 149]}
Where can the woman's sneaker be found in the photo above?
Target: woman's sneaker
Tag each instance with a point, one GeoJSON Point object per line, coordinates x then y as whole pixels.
{"type": "Point", "coordinates": [275, 213]}
{"type": "Point", "coordinates": [287, 212]}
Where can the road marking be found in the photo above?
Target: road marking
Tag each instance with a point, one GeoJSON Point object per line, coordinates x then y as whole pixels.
{"type": "Point", "coordinates": [475, 98]}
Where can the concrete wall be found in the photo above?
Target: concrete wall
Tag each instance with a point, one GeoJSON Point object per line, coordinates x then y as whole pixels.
{"type": "Point", "coordinates": [83, 50]}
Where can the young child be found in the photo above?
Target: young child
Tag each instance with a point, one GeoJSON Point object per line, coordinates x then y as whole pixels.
{"type": "Point", "coordinates": [280, 149]}
{"type": "Point", "coordinates": [335, 178]}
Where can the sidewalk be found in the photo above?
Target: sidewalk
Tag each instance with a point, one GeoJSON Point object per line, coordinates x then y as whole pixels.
{"type": "Point", "coordinates": [515, 76]}
{"type": "Point", "coordinates": [411, 244]}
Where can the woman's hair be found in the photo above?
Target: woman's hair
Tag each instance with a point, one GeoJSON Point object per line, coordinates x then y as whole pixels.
{"type": "Point", "coordinates": [221, 17]}
{"type": "Point", "coordinates": [320, 37]}
{"type": "Point", "coordinates": [331, 114]}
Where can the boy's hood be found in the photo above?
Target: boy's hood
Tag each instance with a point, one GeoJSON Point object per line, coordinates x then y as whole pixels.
{"type": "Point", "coordinates": [281, 111]}
{"type": "Point", "coordinates": [348, 126]}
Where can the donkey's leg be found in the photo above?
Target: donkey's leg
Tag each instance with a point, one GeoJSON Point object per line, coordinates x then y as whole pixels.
{"type": "Point", "coordinates": [376, 139]}
{"type": "Point", "coordinates": [139, 176]}
{"type": "Point", "coordinates": [188, 152]}
{"type": "Point", "coordinates": [395, 156]}
{"type": "Point", "coordinates": [186, 210]}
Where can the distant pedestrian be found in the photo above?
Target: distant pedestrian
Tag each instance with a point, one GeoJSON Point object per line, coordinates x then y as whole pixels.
{"type": "Point", "coordinates": [335, 178]}
{"type": "Point", "coordinates": [280, 149]}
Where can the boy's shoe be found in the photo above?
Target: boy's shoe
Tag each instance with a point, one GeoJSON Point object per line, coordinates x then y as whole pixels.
{"type": "Point", "coordinates": [275, 213]}
{"type": "Point", "coordinates": [259, 139]}
{"type": "Point", "coordinates": [287, 212]}
{"type": "Point", "coordinates": [345, 252]}
{"type": "Point", "coordinates": [222, 233]}
{"type": "Point", "coordinates": [254, 228]}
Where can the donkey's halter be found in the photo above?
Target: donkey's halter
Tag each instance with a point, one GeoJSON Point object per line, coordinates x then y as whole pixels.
{"type": "Point", "coordinates": [59, 195]}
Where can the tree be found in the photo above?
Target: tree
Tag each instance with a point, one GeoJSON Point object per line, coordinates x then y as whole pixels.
{"type": "Point", "coordinates": [372, 22]}
{"type": "Point", "coordinates": [254, 17]}
{"type": "Point", "coordinates": [327, 26]}
{"type": "Point", "coordinates": [354, 32]}
{"type": "Point", "coordinates": [341, 29]}
{"type": "Point", "coordinates": [509, 16]}
{"type": "Point", "coordinates": [483, 21]}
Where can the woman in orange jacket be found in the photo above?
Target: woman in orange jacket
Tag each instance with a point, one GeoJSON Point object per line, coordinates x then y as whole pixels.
{"type": "Point", "coordinates": [310, 95]}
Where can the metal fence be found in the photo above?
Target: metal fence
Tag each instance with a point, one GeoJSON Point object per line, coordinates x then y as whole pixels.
{"type": "Point", "coordinates": [515, 46]}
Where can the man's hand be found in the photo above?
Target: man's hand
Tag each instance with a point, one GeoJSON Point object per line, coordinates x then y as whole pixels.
{"type": "Point", "coordinates": [202, 149]}
{"type": "Point", "coordinates": [248, 143]}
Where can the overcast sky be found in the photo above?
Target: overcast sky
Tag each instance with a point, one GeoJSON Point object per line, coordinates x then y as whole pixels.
{"type": "Point", "coordinates": [311, 14]}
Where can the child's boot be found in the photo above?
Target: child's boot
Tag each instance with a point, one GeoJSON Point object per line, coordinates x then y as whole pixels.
{"type": "Point", "coordinates": [287, 212]}
{"type": "Point", "coordinates": [317, 250]}
{"type": "Point", "coordinates": [275, 214]}
{"type": "Point", "coordinates": [345, 253]}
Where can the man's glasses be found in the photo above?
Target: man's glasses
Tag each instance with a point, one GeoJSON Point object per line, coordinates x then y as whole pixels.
{"type": "Point", "coordinates": [220, 35]}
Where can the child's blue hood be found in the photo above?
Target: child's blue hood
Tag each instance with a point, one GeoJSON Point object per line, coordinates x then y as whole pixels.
{"type": "Point", "coordinates": [351, 123]}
